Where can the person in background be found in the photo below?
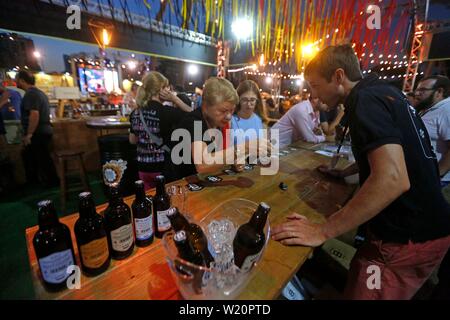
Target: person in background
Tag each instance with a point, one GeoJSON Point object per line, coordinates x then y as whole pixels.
{"type": "Point", "coordinates": [38, 132]}
{"type": "Point", "coordinates": [10, 101]}
{"type": "Point", "coordinates": [433, 103]}
{"type": "Point", "coordinates": [330, 120]}
{"type": "Point", "coordinates": [198, 97]}
{"type": "Point", "coordinates": [301, 122]}
{"type": "Point", "coordinates": [152, 124]}
{"type": "Point", "coordinates": [3, 102]}
{"type": "Point", "coordinates": [130, 97]}
{"type": "Point", "coordinates": [400, 200]}
{"type": "Point", "coordinates": [271, 112]}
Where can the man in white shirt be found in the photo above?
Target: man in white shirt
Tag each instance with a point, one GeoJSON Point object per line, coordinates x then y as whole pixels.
{"type": "Point", "coordinates": [302, 122]}
{"type": "Point", "coordinates": [433, 103]}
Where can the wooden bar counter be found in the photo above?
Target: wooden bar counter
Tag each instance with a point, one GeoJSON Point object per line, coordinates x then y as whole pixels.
{"type": "Point", "coordinates": [146, 275]}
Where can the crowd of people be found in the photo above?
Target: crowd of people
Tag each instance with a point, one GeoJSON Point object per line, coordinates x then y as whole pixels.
{"type": "Point", "coordinates": [401, 144]}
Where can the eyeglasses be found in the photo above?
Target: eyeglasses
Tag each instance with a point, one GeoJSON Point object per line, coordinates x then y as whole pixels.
{"type": "Point", "coordinates": [422, 90]}
{"type": "Point", "coordinates": [249, 100]}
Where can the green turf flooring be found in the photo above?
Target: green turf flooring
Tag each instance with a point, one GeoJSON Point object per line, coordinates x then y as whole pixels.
{"type": "Point", "coordinates": [18, 211]}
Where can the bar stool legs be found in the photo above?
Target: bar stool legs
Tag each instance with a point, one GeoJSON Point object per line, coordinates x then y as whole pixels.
{"type": "Point", "coordinates": [63, 157]}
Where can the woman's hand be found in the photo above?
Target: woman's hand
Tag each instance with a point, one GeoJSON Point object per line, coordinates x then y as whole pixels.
{"type": "Point", "coordinates": [167, 95]}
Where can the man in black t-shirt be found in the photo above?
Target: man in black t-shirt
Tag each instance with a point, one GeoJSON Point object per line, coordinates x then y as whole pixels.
{"type": "Point", "coordinates": [408, 219]}
{"type": "Point", "coordinates": [38, 132]}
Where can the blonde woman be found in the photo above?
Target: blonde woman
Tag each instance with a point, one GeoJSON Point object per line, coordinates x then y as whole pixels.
{"type": "Point", "coordinates": [152, 124]}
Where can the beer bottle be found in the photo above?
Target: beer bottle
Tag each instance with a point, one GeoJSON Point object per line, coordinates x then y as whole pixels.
{"type": "Point", "coordinates": [250, 239]}
{"type": "Point", "coordinates": [53, 247]}
{"type": "Point", "coordinates": [194, 231]}
{"type": "Point", "coordinates": [91, 237]}
{"type": "Point", "coordinates": [119, 226]}
{"type": "Point", "coordinates": [161, 205]}
{"type": "Point", "coordinates": [188, 253]}
{"type": "Point", "coordinates": [143, 216]}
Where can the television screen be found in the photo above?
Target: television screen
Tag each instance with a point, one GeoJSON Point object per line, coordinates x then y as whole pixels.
{"type": "Point", "coordinates": [98, 80]}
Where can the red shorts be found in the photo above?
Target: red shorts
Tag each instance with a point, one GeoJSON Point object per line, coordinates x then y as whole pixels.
{"type": "Point", "coordinates": [392, 271]}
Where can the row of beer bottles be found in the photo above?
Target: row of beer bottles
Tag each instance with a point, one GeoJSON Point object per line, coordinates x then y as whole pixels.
{"type": "Point", "coordinates": [98, 238]}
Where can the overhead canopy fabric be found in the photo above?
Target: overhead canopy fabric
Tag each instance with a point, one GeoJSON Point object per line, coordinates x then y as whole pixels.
{"type": "Point", "coordinates": [46, 19]}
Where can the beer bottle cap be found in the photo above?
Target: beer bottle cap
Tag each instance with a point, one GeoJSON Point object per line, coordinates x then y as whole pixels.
{"type": "Point", "coordinates": [139, 183]}
{"type": "Point", "coordinates": [45, 204]}
{"type": "Point", "coordinates": [172, 212]}
{"type": "Point", "coordinates": [180, 236]}
{"type": "Point", "coordinates": [264, 206]}
{"type": "Point", "coordinates": [85, 195]}
{"type": "Point", "coordinates": [46, 213]}
{"type": "Point", "coordinates": [160, 178]}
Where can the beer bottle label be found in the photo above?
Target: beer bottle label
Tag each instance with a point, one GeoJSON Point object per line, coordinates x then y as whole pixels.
{"type": "Point", "coordinates": [54, 267]}
{"type": "Point", "coordinates": [163, 221]}
{"type": "Point", "coordinates": [144, 228]}
{"type": "Point", "coordinates": [95, 253]}
{"type": "Point", "coordinates": [249, 261]}
{"type": "Point", "coordinates": [122, 238]}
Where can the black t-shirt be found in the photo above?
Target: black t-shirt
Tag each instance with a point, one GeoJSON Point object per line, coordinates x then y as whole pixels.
{"type": "Point", "coordinates": [35, 99]}
{"type": "Point", "coordinates": [160, 121]}
{"type": "Point", "coordinates": [379, 114]}
{"type": "Point", "coordinates": [192, 121]}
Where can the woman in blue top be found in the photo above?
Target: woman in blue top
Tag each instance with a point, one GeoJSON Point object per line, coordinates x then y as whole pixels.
{"type": "Point", "coordinates": [248, 115]}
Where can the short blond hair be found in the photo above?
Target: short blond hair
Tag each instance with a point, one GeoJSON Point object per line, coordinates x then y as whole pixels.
{"type": "Point", "coordinates": [219, 90]}
{"type": "Point", "coordinates": [327, 61]}
{"type": "Point", "coordinates": [152, 83]}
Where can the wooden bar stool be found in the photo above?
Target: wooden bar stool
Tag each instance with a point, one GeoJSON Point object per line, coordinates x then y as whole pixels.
{"type": "Point", "coordinates": [63, 158]}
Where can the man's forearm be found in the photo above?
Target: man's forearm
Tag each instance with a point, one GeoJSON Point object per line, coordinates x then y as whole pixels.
{"type": "Point", "coordinates": [375, 195]}
{"type": "Point", "coordinates": [211, 162]}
